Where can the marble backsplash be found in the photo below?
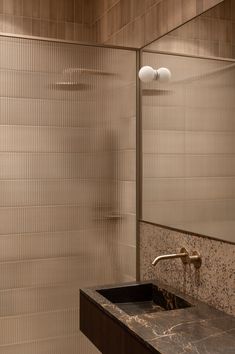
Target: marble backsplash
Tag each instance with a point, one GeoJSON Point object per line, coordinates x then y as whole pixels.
{"type": "Point", "coordinates": [213, 283]}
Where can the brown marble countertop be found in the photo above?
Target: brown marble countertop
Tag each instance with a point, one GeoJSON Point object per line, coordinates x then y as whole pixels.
{"type": "Point", "coordinates": [199, 329]}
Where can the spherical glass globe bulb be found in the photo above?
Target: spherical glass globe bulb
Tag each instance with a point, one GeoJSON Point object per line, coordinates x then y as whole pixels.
{"type": "Point", "coordinates": [147, 74]}
{"type": "Point", "coordinates": [163, 75]}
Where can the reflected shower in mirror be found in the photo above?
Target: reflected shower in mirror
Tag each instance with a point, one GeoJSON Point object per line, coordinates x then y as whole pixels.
{"type": "Point", "coordinates": [188, 128]}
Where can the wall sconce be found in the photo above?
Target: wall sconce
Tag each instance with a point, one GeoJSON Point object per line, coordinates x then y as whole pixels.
{"type": "Point", "coordinates": [148, 74]}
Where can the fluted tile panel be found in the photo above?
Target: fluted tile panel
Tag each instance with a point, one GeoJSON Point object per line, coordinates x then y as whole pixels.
{"type": "Point", "coordinates": [67, 187]}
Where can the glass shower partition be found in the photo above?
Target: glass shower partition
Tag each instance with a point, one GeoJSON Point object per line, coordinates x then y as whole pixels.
{"type": "Point", "coordinates": [67, 186]}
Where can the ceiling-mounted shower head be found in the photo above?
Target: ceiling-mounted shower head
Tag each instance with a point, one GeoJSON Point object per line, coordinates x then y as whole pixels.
{"type": "Point", "coordinates": [70, 86]}
{"type": "Point", "coordinates": [82, 71]}
{"type": "Point", "coordinates": [74, 79]}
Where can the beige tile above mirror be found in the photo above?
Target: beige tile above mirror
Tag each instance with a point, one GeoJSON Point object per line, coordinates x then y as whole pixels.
{"type": "Point", "coordinates": [128, 23]}
{"type": "Point", "coordinates": [188, 127]}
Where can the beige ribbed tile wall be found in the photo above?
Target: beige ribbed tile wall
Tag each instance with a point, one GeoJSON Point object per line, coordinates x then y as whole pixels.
{"type": "Point", "coordinates": [188, 146]}
{"type": "Point", "coordinates": [129, 23]}
{"type": "Point", "coordinates": [135, 23]}
{"type": "Point", "coordinates": [211, 34]}
{"type": "Point", "coordinates": [67, 187]}
{"type": "Point", "coordinates": [61, 19]}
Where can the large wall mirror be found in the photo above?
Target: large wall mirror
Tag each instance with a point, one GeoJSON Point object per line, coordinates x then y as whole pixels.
{"type": "Point", "coordinates": [188, 127]}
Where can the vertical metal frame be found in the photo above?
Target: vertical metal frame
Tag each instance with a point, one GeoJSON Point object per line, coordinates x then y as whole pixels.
{"type": "Point", "coordinates": [139, 169]}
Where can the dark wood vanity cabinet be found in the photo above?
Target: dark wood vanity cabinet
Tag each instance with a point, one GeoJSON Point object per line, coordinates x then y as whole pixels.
{"type": "Point", "coordinates": [109, 336]}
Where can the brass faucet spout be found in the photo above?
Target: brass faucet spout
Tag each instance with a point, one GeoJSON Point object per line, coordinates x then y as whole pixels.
{"type": "Point", "coordinates": [169, 256]}
{"type": "Point", "coordinates": [195, 258]}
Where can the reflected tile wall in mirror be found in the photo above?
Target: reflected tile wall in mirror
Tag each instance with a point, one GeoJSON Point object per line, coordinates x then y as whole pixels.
{"type": "Point", "coordinates": [188, 146]}
{"type": "Point", "coordinates": [211, 34]}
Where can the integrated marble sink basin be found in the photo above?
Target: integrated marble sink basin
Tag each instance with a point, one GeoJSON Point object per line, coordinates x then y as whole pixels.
{"type": "Point", "coordinates": [141, 318]}
{"type": "Point", "coordinates": [140, 299]}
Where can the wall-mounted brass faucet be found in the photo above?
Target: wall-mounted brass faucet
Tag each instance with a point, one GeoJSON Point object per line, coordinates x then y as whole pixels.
{"type": "Point", "coordinates": [194, 259]}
